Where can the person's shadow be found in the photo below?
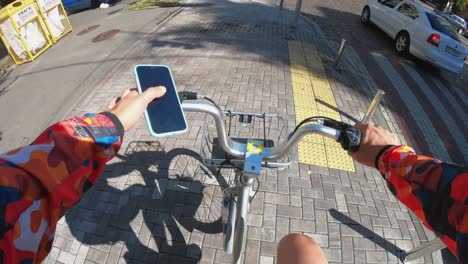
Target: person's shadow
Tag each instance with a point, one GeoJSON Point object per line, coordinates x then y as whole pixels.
{"type": "Point", "coordinates": [152, 201]}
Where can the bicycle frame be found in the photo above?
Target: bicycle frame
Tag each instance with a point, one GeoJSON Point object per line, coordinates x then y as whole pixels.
{"type": "Point", "coordinates": [253, 154]}
{"type": "Point", "coordinates": [237, 220]}
{"type": "Point", "coordinates": [242, 207]}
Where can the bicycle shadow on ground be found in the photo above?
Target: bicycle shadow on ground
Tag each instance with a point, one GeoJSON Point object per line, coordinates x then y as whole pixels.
{"type": "Point", "coordinates": [149, 202]}
{"type": "Point", "coordinates": [447, 256]}
{"type": "Point", "coordinates": [367, 233]}
{"type": "Point", "coordinates": [333, 108]}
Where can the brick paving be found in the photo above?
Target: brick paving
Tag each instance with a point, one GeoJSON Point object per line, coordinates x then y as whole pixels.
{"type": "Point", "coordinates": [157, 203]}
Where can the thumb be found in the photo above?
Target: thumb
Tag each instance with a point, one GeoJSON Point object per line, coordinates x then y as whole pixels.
{"type": "Point", "coordinates": [360, 126]}
{"type": "Point", "coordinates": [152, 93]}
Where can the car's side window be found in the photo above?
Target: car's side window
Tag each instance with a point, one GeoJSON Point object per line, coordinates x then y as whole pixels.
{"type": "Point", "coordinates": [391, 3]}
{"type": "Point", "coordinates": [409, 11]}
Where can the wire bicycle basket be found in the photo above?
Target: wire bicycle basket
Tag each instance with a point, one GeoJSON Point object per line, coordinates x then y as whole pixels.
{"type": "Point", "coordinates": [272, 129]}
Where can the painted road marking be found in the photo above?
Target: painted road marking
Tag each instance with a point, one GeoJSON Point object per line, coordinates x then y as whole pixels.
{"type": "Point", "coordinates": [424, 123]}
{"type": "Point", "coordinates": [365, 78]}
{"type": "Point", "coordinates": [456, 106]}
{"type": "Point", "coordinates": [310, 82]}
{"type": "Point", "coordinates": [461, 95]}
{"type": "Point", "coordinates": [445, 116]}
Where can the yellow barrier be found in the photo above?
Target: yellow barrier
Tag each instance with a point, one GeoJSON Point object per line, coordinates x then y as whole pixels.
{"type": "Point", "coordinates": [23, 32]}
{"type": "Point", "coordinates": [55, 18]}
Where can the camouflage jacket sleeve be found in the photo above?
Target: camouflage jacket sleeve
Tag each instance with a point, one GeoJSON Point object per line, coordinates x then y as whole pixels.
{"type": "Point", "coordinates": [40, 182]}
{"type": "Point", "coordinates": [434, 190]}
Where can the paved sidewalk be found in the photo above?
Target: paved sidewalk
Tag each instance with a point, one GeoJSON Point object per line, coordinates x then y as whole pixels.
{"type": "Point", "coordinates": [36, 94]}
{"type": "Point", "coordinates": [156, 203]}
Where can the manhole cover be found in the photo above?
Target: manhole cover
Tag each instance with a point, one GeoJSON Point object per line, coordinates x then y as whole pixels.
{"type": "Point", "coordinates": [106, 35]}
{"type": "Point", "coordinates": [84, 31]}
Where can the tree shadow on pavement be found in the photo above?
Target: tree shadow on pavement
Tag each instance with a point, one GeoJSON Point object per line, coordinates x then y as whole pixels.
{"type": "Point", "coordinates": [258, 38]}
{"type": "Point", "coordinates": [188, 5]}
{"type": "Point", "coordinates": [4, 75]}
{"type": "Point", "coordinates": [153, 212]}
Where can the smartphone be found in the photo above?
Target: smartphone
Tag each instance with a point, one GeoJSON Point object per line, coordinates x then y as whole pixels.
{"type": "Point", "coordinates": [164, 116]}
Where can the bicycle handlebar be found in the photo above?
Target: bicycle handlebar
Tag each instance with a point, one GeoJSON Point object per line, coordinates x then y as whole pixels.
{"type": "Point", "coordinates": [225, 142]}
{"type": "Point", "coordinates": [283, 149]}
{"type": "Point", "coordinates": [345, 135]}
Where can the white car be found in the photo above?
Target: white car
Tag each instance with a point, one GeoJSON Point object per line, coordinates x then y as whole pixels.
{"type": "Point", "coordinates": [419, 31]}
{"type": "Point", "coordinates": [456, 21]}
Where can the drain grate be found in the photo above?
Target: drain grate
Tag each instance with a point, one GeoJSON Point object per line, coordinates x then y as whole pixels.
{"type": "Point", "coordinates": [106, 35]}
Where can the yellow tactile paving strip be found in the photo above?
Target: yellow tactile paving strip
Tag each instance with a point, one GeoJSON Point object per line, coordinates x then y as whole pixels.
{"type": "Point", "coordinates": [310, 82]}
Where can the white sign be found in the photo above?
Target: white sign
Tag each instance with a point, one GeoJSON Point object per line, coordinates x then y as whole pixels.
{"type": "Point", "coordinates": [46, 4]}
{"type": "Point", "coordinates": [24, 15]}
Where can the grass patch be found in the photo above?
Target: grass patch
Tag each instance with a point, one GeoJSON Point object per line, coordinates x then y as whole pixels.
{"type": "Point", "coordinates": [142, 4]}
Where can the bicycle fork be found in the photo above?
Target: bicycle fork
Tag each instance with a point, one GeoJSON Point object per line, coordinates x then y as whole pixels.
{"type": "Point", "coordinates": [241, 221]}
{"type": "Point", "coordinates": [239, 206]}
{"type": "Point", "coordinates": [237, 219]}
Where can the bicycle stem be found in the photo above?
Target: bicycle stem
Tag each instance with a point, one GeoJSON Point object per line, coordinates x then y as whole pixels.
{"type": "Point", "coordinates": [225, 142]}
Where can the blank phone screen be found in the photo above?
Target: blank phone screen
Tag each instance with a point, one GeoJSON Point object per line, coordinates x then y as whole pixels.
{"type": "Point", "coordinates": [165, 114]}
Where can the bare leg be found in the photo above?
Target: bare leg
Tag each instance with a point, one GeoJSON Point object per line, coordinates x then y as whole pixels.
{"type": "Point", "coordinates": [300, 249]}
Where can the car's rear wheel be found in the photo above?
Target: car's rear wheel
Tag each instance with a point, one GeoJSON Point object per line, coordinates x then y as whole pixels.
{"type": "Point", "coordinates": [365, 15]}
{"type": "Point", "coordinates": [460, 31]}
{"type": "Point", "coordinates": [402, 43]}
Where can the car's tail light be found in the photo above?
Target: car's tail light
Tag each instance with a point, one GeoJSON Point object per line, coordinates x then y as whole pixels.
{"type": "Point", "coordinates": [434, 39]}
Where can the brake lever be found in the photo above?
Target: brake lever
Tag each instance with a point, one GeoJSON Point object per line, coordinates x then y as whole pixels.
{"type": "Point", "coordinates": [187, 95]}
{"type": "Point", "coordinates": [350, 138]}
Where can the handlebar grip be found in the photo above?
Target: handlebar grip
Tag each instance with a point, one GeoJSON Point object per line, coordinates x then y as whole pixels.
{"type": "Point", "coordinates": [350, 139]}
{"type": "Point", "coordinates": [186, 95]}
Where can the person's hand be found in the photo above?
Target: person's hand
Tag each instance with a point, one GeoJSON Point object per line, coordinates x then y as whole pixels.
{"type": "Point", "coordinates": [130, 106]}
{"type": "Point", "coordinates": [373, 139]}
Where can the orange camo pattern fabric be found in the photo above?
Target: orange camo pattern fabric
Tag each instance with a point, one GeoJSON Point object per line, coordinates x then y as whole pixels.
{"type": "Point", "coordinates": [40, 182]}
{"type": "Point", "coordinates": [435, 191]}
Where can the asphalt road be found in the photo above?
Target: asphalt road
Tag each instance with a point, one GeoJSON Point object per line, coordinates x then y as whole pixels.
{"type": "Point", "coordinates": [464, 40]}
{"type": "Point", "coordinates": [341, 19]}
{"type": "Point", "coordinates": [42, 92]}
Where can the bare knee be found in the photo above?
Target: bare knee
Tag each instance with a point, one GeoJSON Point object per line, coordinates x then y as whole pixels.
{"type": "Point", "coordinates": [297, 241]}
{"type": "Point", "coordinates": [299, 249]}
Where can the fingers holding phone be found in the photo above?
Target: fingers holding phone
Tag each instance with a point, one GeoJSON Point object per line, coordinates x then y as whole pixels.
{"type": "Point", "coordinates": [130, 105]}
{"type": "Point", "coordinates": [166, 117]}
{"type": "Point", "coordinates": [152, 94]}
